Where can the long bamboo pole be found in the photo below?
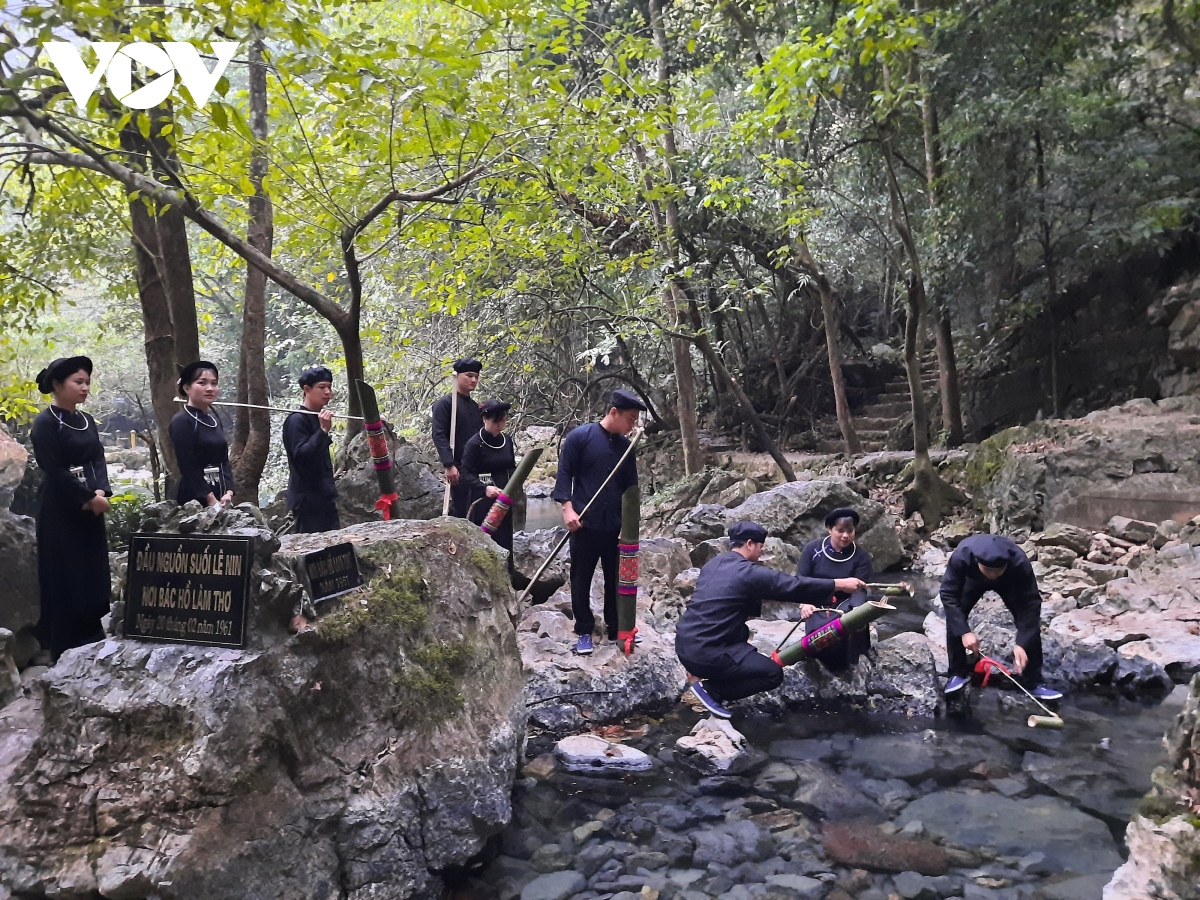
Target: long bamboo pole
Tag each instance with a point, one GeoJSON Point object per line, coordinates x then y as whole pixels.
{"type": "Point", "coordinates": [553, 553]}
{"type": "Point", "coordinates": [274, 408]}
{"type": "Point", "coordinates": [453, 429]}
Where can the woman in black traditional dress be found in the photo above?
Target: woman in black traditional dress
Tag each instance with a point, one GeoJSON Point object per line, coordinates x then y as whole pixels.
{"type": "Point", "coordinates": [490, 452]}
{"type": "Point", "coordinates": [73, 575]}
{"type": "Point", "coordinates": [199, 440]}
{"type": "Point", "coordinates": [838, 556]}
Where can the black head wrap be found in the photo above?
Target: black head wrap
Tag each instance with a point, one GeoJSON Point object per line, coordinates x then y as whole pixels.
{"type": "Point", "coordinates": [837, 515]}
{"type": "Point", "coordinates": [191, 372]}
{"type": "Point", "coordinates": [494, 409]}
{"type": "Point", "coordinates": [315, 375]}
{"type": "Point", "coordinates": [467, 364]}
{"type": "Point", "coordinates": [61, 370]}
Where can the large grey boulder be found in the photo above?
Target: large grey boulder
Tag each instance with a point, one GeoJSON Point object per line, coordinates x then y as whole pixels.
{"type": "Point", "coordinates": [18, 575]}
{"type": "Point", "coordinates": [13, 459]}
{"type": "Point", "coordinates": [419, 490]}
{"type": "Point", "coordinates": [565, 691]}
{"type": "Point", "coordinates": [1136, 460]}
{"type": "Point", "coordinates": [358, 761]}
{"type": "Point", "coordinates": [795, 511]}
{"type": "Point", "coordinates": [900, 678]}
{"type": "Point", "coordinates": [666, 510]}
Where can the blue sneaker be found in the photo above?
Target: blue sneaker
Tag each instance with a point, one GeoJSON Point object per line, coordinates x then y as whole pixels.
{"type": "Point", "coordinates": [583, 646]}
{"type": "Point", "coordinates": [1046, 693]}
{"type": "Point", "coordinates": [709, 703]}
{"type": "Point", "coordinates": [955, 683]}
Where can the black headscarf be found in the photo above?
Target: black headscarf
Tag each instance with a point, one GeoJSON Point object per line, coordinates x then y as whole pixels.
{"type": "Point", "coordinates": [61, 370]}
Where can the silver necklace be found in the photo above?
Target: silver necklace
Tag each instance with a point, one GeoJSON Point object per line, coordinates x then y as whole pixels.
{"type": "Point", "coordinates": [826, 545]}
{"type": "Point", "coordinates": [86, 423]}
{"type": "Point", "coordinates": [188, 409]}
{"type": "Point", "coordinates": [500, 446]}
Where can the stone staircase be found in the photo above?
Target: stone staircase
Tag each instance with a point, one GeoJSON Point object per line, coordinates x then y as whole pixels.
{"type": "Point", "coordinates": [876, 421]}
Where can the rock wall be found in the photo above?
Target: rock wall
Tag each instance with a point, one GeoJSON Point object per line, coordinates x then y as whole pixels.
{"type": "Point", "coordinates": [1164, 840]}
{"type": "Point", "coordinates": [353, 762]}
{"type": "Point", "coordinates": [1109, 349]}
{"type": "Point", "coordinates": [1136, 460]}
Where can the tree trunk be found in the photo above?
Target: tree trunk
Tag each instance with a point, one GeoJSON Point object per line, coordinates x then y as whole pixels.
{"type": "Point", "coordinates": [928, 494]}
{"type": "Point", "coordinates": [255, 424]}
{"type": "Point", "coordinates": [943, 332]}
{"type": "Point", "coordinates": [159, 340]}
{"type": "Point", "coordinates": [685, 379]}
{"type": "Point", "coordinates": [845, 419]}
{"type": "Point", "coordinates": [1046, 238]}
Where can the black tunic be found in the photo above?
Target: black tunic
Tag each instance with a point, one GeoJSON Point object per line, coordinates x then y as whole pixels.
{"type": "Point", "coordinates": [310, 479]}
{"type": "Point", "coordinates": [588, 455]}
{"type": "Point", "coordinates": [198, 446]}
{"type": "Point", "coordinates": [481, 458]}
{"type": "Point", "coordinates": [963, 585]}
{"type": "Point", "coordinates": [731, 590]}
{"type": "Point", "coordinates": [468, 423]}
{"type": "Point", "coordinates": [815, 562]}
{"type": "Point", "coordinates": [73, 574]}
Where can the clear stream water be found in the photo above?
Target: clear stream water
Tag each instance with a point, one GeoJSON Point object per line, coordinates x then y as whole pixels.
{"type": "Point", "coordinates": [996, 786]}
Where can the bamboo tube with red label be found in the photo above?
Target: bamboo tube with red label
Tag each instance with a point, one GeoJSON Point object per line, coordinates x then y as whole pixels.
{"type": "Point", "coordinates": [627, 567]}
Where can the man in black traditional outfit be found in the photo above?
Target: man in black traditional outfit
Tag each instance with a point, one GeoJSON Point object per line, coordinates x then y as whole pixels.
{"type": "Point", "coordinates": [588, 455]}
{"type": "Point", "coordinates": [712, 639]}
{"type": "Point", "coordinates": [467, 423]}
{"type": "Point", "coordinates": [992, 562]}
{"type": "Point", "coordinates": [311, 494]}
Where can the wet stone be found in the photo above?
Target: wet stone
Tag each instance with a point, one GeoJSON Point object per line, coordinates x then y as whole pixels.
{"type": "Point", "coordinates": [865, 846]}
{"type": "Point", "coordinates": [803, 886]}
{"type": "Point", "coordinates": [824, 795]}
{"type": "Point", "coordinates": [554, 886]}
{"type": "Point", "coordinates": [550, 858]}
{"type": "Point", "coordinates": [591, 858]}
{"type": "Point", "coordinates": [1069, 838]}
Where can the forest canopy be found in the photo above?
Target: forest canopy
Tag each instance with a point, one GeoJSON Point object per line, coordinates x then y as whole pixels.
{"type": "Point", "coordinates": [715, 203]}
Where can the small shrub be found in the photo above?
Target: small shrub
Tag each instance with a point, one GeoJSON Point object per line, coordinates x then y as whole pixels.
{"type": "Point", "coordinates": [125, 513]}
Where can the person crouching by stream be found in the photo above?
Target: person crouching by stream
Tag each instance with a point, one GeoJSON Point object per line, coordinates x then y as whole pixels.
{"type": "Point", "coordinates": [712, 639]}
{"type": "Point", "coordinates": [73, 574]}
{"type": "Point", "coordinates": [838, 556]}
{"type": "Point", "coordinates": [992, 562]}
{"type": "Point", "coordinates": [311, 492]}
{"type": "Point", "coordinates": [198, 437]}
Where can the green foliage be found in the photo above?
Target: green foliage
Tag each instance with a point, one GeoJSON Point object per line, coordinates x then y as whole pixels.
{"type": "Point", "coordinates": [124, 517]}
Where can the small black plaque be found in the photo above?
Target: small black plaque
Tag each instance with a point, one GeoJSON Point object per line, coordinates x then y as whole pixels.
{"type": "Point", "coordinates": [332, 571]}
{"type": "Point", "coordinates": [189, 590]}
